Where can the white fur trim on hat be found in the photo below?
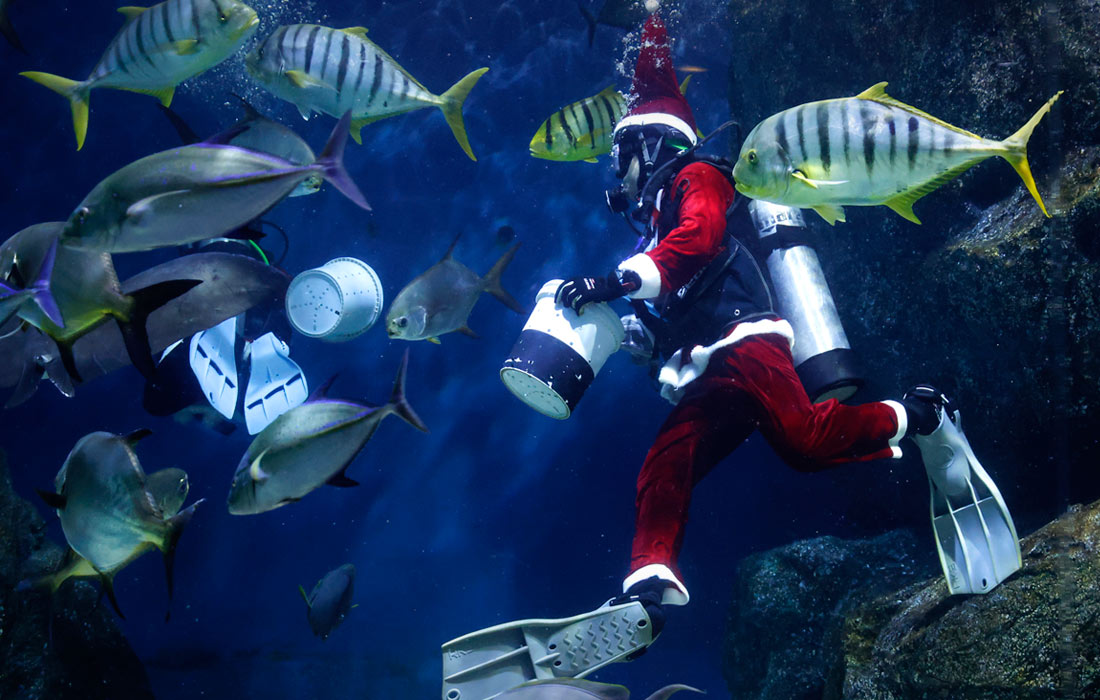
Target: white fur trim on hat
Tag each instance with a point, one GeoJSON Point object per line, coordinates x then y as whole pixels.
{"type": "Point", "coordinates": [645, 268]}
{"type": "Point", "coordinates": [675, 594]}
{"type": "Point", "coordinates": [903, 426]}
{"type": "Point", "coordinates": [658, 118]}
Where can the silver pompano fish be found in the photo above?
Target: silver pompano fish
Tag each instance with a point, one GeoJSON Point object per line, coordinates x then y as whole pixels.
{"type": "Point", "coordinates": [332, 71]}
{"type": "Point", "coordinates": [579, 689]}
{"type": "Point", "coordinates": [156, 50]}
{"type": "Point", "coordinates": [310, 445]}
{"type": "Point", "coordinates": [195, 192]}
{"type": "Point", "coordinates": [866, 150]}
{"type": "Point", "coordinates": [107, 512]}
{"type": "Point", "coordinates": [330, 600]}
{"type": "Point", "coordinates": [440, 299]}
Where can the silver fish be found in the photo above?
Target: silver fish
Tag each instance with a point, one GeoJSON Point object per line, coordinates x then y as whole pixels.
{"type": "Point", "coordinates": [579, 689]}
{"type": "Point", "coordinates": [107, 512]}
{"type": "Point", "coordinates": [13, 300]}
{"type": "Point", "coordinates": [310, 445]}
{"type": "Point", "coordinates": [338, 70]}
{"type": "Point", "coordinates": [440, 299]}
{"type": "Point", "coordinates": [157, 49]}
{"type": "Point", "coordinates": [330, 600]}
{"type": "Point", "coordinates": [867, 150]}
{"type": "Point", "coordinates": [195, 192]}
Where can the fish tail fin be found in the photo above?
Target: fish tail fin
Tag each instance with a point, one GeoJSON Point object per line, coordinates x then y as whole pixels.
{"type": "Point", "coordinates": [40, 288]}
{"type": "Point", "coordinates": [491, 281]}
{"type": "Point", "coordinates": [331, 162]}
{"type": "Point", "coordinates": [8, 31]}
{"type": "Point", "coordinates": [75, 92]}
{"type": "Point", "coordinates": [398, 403]}
{"type": "Point", "coordinates": [107, 588]}
{"type": "Point", "coordinates": [1016, 150]}
{"type": "Point", "coordinates": [134, 331]}
{"type": "Point", "coordinates": [452, 108]}
{"type": "Point", "coordinates": [176, 524]}
{"type": "Point", "coordinates": [590, 19]}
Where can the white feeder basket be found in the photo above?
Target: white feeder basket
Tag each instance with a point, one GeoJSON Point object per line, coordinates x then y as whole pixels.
{"type": "Point", "coordinates": [559, 353]}
{"type": "Point", "coordinates": [335, 302]}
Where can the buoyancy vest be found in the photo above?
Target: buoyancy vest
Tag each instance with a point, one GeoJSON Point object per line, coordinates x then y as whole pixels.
{"type": "Point", "coordinates": [730, 289]}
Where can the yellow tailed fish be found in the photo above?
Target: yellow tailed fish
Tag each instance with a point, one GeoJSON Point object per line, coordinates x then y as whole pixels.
{"type": "Point", "coordinates": [581, 130]}
{"type": "Point", "coordinates": [157, 49]}
{"type": "Point", "coordinates": [867, 150]}
{"type": "Point", "coordinates": [333, 71]}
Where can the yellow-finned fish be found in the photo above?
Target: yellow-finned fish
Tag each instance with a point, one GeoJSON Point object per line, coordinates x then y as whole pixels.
{"type": "Point", "coordinates": [339, 70]}
{"type": "Point", "coordinates": [581, 130]}
{"type": "Point", "coordinates": [157, 49]}
{"type": "Point", "coordinates": [866, 150]}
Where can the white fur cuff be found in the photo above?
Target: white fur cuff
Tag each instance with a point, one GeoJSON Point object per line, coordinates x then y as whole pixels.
{"type": "Point", "coordinates": [644, 267]}
{"type": "Point", "coordinates": [675, 594]}
{"type": "Point", "coordinates": [903, 426]}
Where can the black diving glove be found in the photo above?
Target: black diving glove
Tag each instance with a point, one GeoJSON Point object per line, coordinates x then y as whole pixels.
{"type": "Point", "coordinates": [649, 592]}
{"type": "Point", "coordinates": [577, 292]}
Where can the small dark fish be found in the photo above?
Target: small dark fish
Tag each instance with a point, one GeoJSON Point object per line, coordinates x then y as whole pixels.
{"type": "Point", "coordinates": [440, 299]}
{"type": "Point", "coordinates": [7, 29]}
{"type": "Point", "coordinates": [310, 445]}
{"type": "Point", "coordinates": [330, 601]}
{"type": "Point", "coordinates": [578, 689]}
{"type": "Point", "coordinates": [107, 511]}
{"type": "Point", "coordinates": [506, 234]}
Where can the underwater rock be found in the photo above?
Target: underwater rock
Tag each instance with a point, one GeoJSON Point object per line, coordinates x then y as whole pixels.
{"type": "Point", "coordinates": [1036, 635]}
{"type": "Point", "coordinates": [87, 658]}
{"type": "Point", "coordinates": [788, 608]}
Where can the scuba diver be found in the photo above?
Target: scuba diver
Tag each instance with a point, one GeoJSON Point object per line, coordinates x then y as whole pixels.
{"type": "Point", "coordinates": [202, 377]}
{"type": "Point", "coordinates": [703, 303]}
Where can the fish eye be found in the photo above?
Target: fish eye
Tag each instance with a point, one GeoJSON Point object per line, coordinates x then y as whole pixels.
{"type": "Point", "coordinates": [82, 214]}
{"type": "Point", "coordinates": [402, 322]}
{"type": "Point", "coordinates": [751, 156]}
{"type": "Point", "coordinates": [222, 18]}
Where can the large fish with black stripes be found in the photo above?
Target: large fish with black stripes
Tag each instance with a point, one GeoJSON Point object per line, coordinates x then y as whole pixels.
{"type": "Point", "coordinates": [321, 69]}
{"type": "Point", "coordinates": [581, 130]}
{"type": "Point", "coordinates": [867, 150]}
{"type": "Point", "coordinates": [157, 49]}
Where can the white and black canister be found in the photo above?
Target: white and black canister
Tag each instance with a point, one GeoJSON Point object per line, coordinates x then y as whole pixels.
{"type": "Point", "coordinates": [559, 353]}
{"type": "Point", "coordinates": [824, 360]}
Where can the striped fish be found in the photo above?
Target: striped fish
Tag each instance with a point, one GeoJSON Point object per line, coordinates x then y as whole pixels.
{"type": "Point", "coordinates": [157, 49]}
{"type": "Point", "coordinates": [338, 70]}
{"type": "Point", "coordinates": [866, 150]}
{"type": "Point", "coordinates": [582, 130]}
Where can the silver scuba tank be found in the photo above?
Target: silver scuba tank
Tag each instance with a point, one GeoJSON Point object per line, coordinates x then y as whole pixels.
{"type": "Point", "coordinates": [824, 360]}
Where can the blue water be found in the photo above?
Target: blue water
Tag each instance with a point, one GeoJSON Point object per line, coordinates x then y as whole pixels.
{"type": "Point", "coordinates": [497, 514]}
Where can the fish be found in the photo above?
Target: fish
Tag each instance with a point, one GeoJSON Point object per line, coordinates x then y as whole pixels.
{"type": "Point", "coordinates": [195, 192]}
{"type": "Point", "coordinates": [157, 49]}
{"type": "Point", "coordinates": [85, 292]}
{"type": "Point", "coordinates": [107, 511]}
{"type": "Point", "coordinates": [441, 298]}
{"type": "Point", "coordinates": [229, 285]}
{"type": "Point", "coordinates": [867, 150]}
{"type": "Point", "coordinates": [332, 71]}
{"type": "Point", "coordinates": [581, 130]}
{"type": "Point", "coordinates": [310, 445]}
{"type": "Point", "coordinates": [330, 601]}
{"type": "Point", "coordinates": [7, 29]}
{"type": "Point", "coordinates": [579, 689]}
{"type": "Point", "coordinates": [257, 133]}
{"type": "Point", "coordinates": [13, 299]}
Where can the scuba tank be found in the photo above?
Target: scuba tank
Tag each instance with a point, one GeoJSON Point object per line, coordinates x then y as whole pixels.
{"type": "Point", "coordinates": [824, 360]}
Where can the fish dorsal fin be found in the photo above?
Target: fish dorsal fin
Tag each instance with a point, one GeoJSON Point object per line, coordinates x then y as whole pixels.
{"type": "Point", "coordinates": [607, 91]}
{"type": "Point", "coordinates": [360, 32]}
{"type": "Point", "coordinates": [321, 392]}
{"type": "Point", "coordinates": [137, 436]}
{"type": "Point", "coordinates": [684, 84]}
{"type": "Point", "coordinates": [877, 93]}
{"type": "Point", "coordinates": [451, 250]}
{"type": "Point", "coordinates": [131, 12]}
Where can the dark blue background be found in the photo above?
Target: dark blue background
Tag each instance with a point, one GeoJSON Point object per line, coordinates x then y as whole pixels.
{"type": "Point", "coordinates": [499, 513]}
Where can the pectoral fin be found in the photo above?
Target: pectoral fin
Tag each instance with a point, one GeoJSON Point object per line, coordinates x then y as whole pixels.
{"type": "Point", "coordinates": [799, 175]}
{"type": "Point", "coordinates": [304, 80]}
{"type": "Point", "coordinates": [186, 47]}
{"type": "Point", "coordinates": [149, 205]}
{"type": "Point", "coordinates": [591, 160]}
{"type": "Point", "coordinates": [815, 183]}
{"type": "Point", "coordinates": [433, 339]}
{"type": "Point", "coordinates": [256, 471]}
{"type": "Point", "coordinates": [830, 213]}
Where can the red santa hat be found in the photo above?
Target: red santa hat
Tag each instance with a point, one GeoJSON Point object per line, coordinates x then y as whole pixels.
{"type": "Point", "coordinates": [655, 95]}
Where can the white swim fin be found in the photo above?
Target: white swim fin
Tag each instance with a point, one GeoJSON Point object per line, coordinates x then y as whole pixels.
{"type": "Point", "coordinates": [214, 362]}
{"type": "Point", "coordinates": [975, 535]}
{"type": "Point", "coordinates": [276, 383]}
{"type": "Point", "coordinates": [483, 664]}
